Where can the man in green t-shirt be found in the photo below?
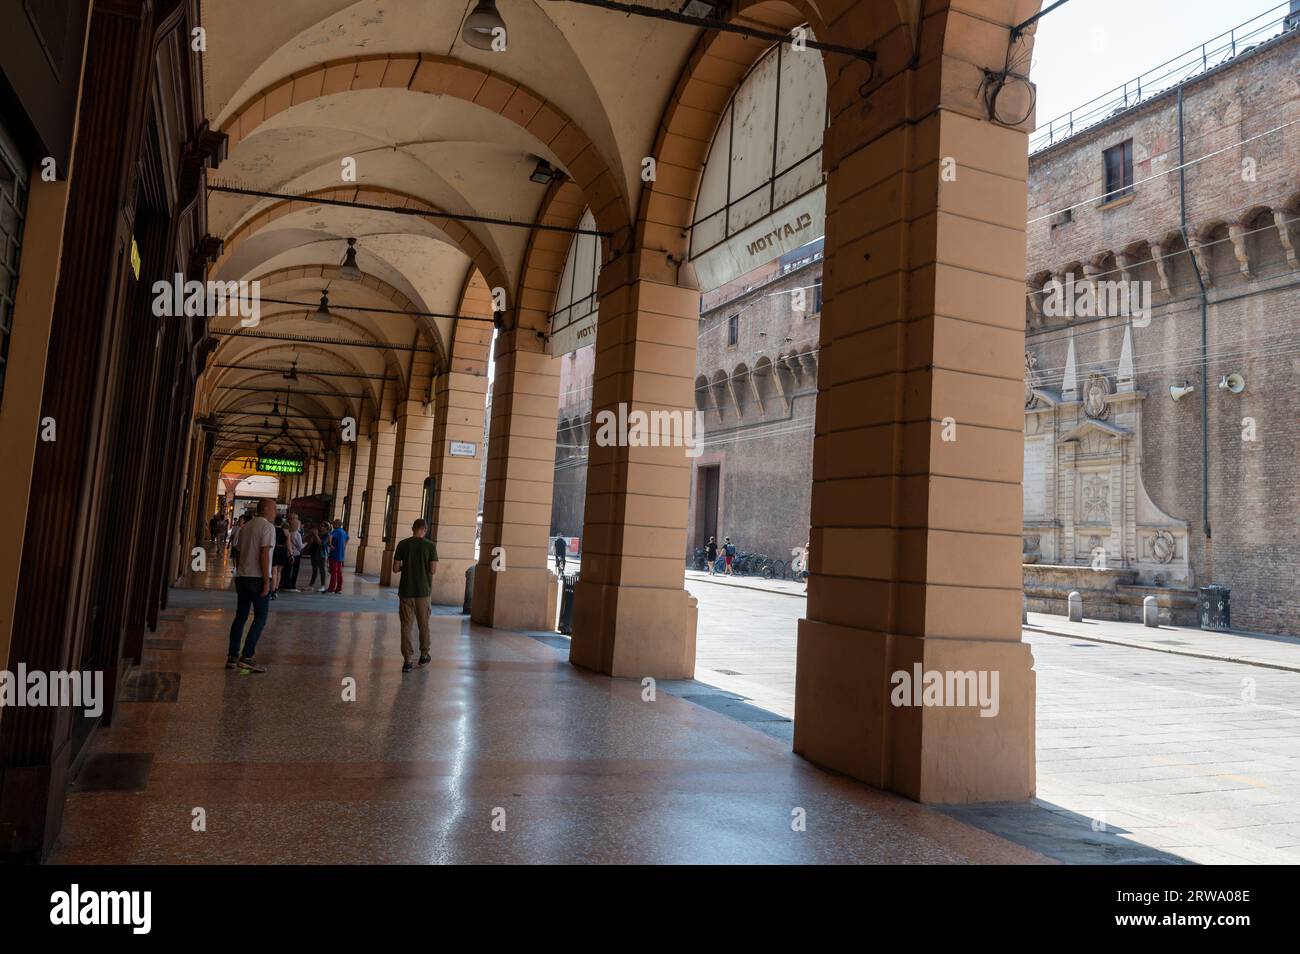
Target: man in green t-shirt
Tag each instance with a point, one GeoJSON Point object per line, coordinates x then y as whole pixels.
{"type": "Point", "coordinates": [415, 558]}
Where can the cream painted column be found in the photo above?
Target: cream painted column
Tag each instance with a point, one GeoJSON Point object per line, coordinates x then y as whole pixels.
{"type": "Point", "coordinates": [358, 481]}
{"type": "Point", "coordinates": [383, 437]}
{"type": "Point", "coordinates": [632, 614]}
{"type": "Point", "coordinates": [916, 501]}
{"type": "Point", "coordinates": [461, 400]}
{"type": "Point", "coordinates": [517, 498]}
{"type": "Point", "coordinates": [411, 452]}
{"type": "Point", "coordinates": [342, 474]}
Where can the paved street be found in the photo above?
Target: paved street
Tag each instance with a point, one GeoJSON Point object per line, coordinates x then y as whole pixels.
{"type": "Point", "coordinates": [1193, 757]}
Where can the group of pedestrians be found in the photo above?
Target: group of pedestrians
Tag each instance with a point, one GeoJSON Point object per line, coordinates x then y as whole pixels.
{"type": "Point", "coordinates": [266, 551]}
{"type": "Point", "coordinates": [711, 550]}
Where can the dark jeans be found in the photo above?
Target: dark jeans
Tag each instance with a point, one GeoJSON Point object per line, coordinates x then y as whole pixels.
{"type": "Point", "coordinates": [289, 577]}
{"type": "Point", "coordinates": [248, 589]}
{"type": "Point", "coordinates": [318, 567]}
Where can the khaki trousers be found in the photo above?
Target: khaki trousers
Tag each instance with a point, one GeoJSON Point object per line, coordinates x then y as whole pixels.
{"type": "Point", "coordinates": [414, 609]}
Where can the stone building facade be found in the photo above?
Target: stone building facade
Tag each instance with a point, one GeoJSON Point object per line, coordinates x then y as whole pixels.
{"type": "Point", "coordinates": [756, 394]}
{"type": "Point", "coordinates": [756, 389]}
{"type": "Point", "coordinates": [1161, 442]}
{"type": "Point", "coordinates": [573, 430]}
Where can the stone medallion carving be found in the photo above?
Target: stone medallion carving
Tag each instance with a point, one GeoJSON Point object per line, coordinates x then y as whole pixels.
{"type": "Point", "coordinates": [1163, 546]}
{"type": "Point", "coordinates": [1096, 397]}
{"type": "Point", "coordinates": [1031, 376]}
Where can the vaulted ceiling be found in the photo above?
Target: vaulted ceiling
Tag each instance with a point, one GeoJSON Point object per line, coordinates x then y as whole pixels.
{"type": "Point", "coordinates": [432, 124]}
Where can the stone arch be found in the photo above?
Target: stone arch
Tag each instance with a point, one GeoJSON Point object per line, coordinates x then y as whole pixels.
{"type": "Point", "coordinates": [397, 300]}
{"type": "Point", "coordinates": [719, 386]}
{"type": "Point", "coordinates": [232, 343]}
{"type": "Point", "coordinates": [764, 382]}
{"type": "Point", "coordinates": [324, 384]}
{"type": "Point", "coordinates": [259, 348]}
{"type": "Point", "coordinates": [443, 75]}
{"type": "Point", "coordinates": [701, 392]}
{"type": "Point", "coordinates": [1261, 237]}
{"type": "Point", "coordinates": [539, 277]}
{"type": "Point", "coordinates": [742, 389]}
{"type": "Point", "coordinates": [480, 256]}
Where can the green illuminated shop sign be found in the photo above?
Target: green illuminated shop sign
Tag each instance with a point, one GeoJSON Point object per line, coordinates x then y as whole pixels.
{"type": "Point", "coordinates": [280, 465]}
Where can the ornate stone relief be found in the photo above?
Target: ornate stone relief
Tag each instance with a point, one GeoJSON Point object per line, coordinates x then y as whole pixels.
{"type": "Point", "coordinates": [1096, 397]}
{"type": "Point", "coordinates": [1095, 499]}
{"type": "Point", "coordinates": [1083, 486]}
{"type": "Point", "coordinates": [1031, 377]}
{"type": "Point", "coordinates": [1163, 546]}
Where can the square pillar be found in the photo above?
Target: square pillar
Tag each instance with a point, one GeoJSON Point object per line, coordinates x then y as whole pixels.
{"type": "Point", "coordinates": [517, 498]}
{"type": "Point", "coordinates": [411, 450]}
{"type": "Point", "coordinates": [458, 417]}
{"type": "Point", "coordinates": [632, 614]}
{"type": "Point", "coordinates": [358, 481]}
{"type": "Point", "coordinates": [383, 440]}
{"type": "Point", "coordinates": [916, 501]}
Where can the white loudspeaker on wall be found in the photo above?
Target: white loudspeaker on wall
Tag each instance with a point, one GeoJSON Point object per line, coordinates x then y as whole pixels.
{"type": "Point", "coordinates": [1178, 393]}
{"type": "Point", "coordinates": [1233, 382]}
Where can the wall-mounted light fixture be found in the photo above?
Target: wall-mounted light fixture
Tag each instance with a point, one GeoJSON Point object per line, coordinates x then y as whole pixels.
{"type": "Point", "coordinates": [544, 173]}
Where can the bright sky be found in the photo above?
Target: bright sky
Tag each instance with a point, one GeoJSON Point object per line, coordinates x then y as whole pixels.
{"type": "Point", "coordinates": [1089, 47]}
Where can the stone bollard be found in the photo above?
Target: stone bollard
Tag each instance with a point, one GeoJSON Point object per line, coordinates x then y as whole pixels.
{"type": "Point", "coordinates": [1076, 607]}
{"type": "Point", "coordinates": [1150, 613]}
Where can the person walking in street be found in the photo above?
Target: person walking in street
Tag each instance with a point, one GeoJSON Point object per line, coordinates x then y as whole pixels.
{"type": "Point", "coordinates": [214, 524]}
{"type": "Point", "coordinates": [416, 559]}
{"type": "Point", "coordinates": [561, 549]}
{"type": "Point", "coordinates": [315, 551]}
{"type": "Point", "coordinates": [293, 534]}
{"type": "Point", "coordinates": [807, 549]}
{"type": "Point", "coordinates": [234, 543]}
{"type": "Point", "coordinates": [338, 550]}
{"type": "Point", "coordinates": [254, 544]}
{"type": "Point", "coordinates": [711, 556]}
{"type": "Point", "coordinates": [729, 553]}
{"type": "Point", "coordinates": [280, 555]}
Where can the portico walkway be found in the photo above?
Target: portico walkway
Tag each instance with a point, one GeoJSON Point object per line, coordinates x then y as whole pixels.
{"type": "Point", "coordinates": [500, 726]}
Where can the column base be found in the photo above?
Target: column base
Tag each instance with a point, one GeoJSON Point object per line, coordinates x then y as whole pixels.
{"type": "Point", "coordinates": [449, 582]}
{"type": "Point", "coordinates": [365, 558]}
{"type": "Point", "coordinates": [634, 631]}
{"type": "Point", "coordinates": [510, 599]}
{"type": "Point", "coordinates": [846, 718]}
{"type": "Point", "coordinates": [386, 568]}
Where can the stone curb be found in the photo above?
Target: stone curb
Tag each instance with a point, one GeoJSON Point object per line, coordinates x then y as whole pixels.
{"type": "Point", "coordinates": [1029, 627]}
{"type": "Point", "coordinates": [745, 586]}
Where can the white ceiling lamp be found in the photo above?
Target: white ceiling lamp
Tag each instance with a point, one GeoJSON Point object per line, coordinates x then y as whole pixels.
{"type": "Point", "coordinates": [349, 268]}
{"type": "Point", "coordinates": [481, 25]}
{"type": "Point", "coordinates": [322, 312]}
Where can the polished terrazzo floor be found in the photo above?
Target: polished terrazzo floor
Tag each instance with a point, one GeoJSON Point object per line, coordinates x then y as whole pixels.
{"type": "Point", "coordinates": [499, 751]}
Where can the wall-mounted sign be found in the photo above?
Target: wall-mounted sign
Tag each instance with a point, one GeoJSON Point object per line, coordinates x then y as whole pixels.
{"type": "Point", "coordinates": [281, 465]}
{"type": "Point", "coordinates": [790, 228]}
{"type": "Point", "coordinates": [463, 449]}
{"type": "Point", "coordinates": [135, 258]}
{"type": "Point", "coordinates": [573, 322]}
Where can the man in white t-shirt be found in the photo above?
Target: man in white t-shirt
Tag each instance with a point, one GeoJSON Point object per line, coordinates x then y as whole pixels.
{"type": "Point", "coordinates": [252, 586]}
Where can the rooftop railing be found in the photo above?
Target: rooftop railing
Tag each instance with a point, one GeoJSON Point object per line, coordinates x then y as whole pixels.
{"type": "Point", "coordinates": [1200, 59]}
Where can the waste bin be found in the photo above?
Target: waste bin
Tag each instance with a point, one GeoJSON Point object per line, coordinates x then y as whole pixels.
{"type": "Point", "coordinates": [1215, 612]}
{"type": "Point", "coordinates": [469, 588]}
{"type": "Point", "coordinates": [566, 603]}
